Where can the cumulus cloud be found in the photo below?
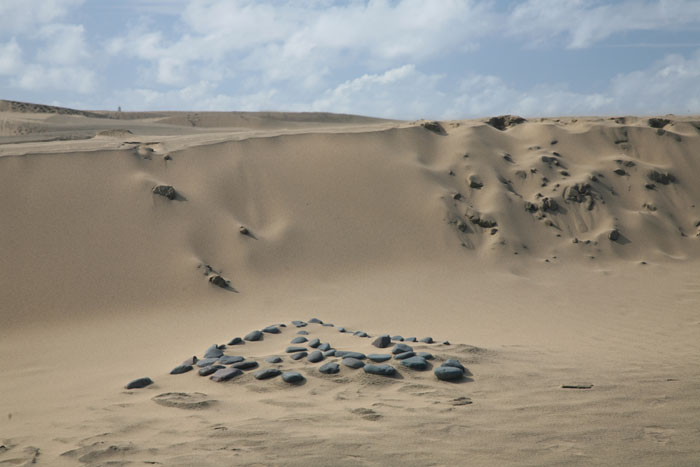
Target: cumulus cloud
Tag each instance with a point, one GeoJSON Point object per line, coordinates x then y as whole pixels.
{"type": "Point", "coordinates": [23, 16]}
{"type": "Point", "coordinates": [63, 44]}
{"type": "Point", "coordinates": [36, 77]}
{"type": "Point", "coordinates": [10, 57]}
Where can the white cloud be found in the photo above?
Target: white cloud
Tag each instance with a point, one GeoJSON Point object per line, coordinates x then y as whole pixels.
{"type": "Point", "coordinates": [581, 23]}
{"type": "Point", "coordinates": [65, 78]}
{"type": "Point", "coordinates": [10, 57]}
{"type": "Point", "coordinates": [64, 44]}
{"type": "Point", "coordinates": [23, 16]}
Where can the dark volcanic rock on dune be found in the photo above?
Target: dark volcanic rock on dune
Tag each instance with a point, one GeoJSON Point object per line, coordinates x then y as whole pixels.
{"type": "Point", "coordinates": [274, 359]}
{"type": "Point", "coordinates": [213, 352]}
{"type": "Point", "coordinates": [178, 370]}
{"type": "Point", "coordinates": [204, 362]}
{"type": "Point", "coordinates": [401, 348]}
{"type": "Point", "coordinates": [298, 355]}
{"type": "Point", "coordinates": [504, 121]}
{"type": "Point", "coordinates": [139, 383]}
{"type": "Point", "coordinates": [353, 363]}
{"type": "Point", "coordinates": [210, 370]}
{"type": "Point", "coordinates": [656, 122]}
{"type": "Point", "coordinates": [267, 373]}
{"type": "Point", "coordinates": [435, 127]}
{"type": "Point", "coordinates": [165, 190]}
{"type": "Point", "coordinates": [315, 356]}
{"type": "Point", "coordinates": [329, 368]}
{"type": "Point", "coordinates": [382, 341]}
{"type": "Point", "coordinates": [245, 365]}
{"type": "Point", "coordinates": [225, 374]}
{"type": "Point", "coordinates": [298, 340]}
{"type": "Point", "coordinates": [379, 357]}
{"type": "Point", "coordinates": [381, 370]}
{"type": "Point", "coordinates": [236, 341]}
{"type": "Point", "coordinates": [448, 373]}
{"type": "Point", "coordinates": [230, 359]}
{"type": "Point", "coordinates": [254, 336]}
{"type": "Point", "coordinates": [292, 377]}
{"type": "Point", "coordinates": [272, 330]}
{"type": "Point", "coordinates": [415, 363]}
{"type": "Point", "coordinates": [219, 281]}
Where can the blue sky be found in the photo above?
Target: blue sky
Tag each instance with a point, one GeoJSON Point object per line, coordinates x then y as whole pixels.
{"type": "Point", "coordinates": [389, 58]}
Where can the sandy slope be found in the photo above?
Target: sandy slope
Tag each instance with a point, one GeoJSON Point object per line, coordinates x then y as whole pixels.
{"type": "Point", "coordinates": [370, 224]}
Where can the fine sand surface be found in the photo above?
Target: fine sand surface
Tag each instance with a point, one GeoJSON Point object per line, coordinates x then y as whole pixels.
{"type": "Point", "coordinates": [549, 253]}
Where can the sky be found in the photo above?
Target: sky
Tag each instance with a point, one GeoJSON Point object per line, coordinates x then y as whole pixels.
{"type": "Point", "coordinates": [405, 59]}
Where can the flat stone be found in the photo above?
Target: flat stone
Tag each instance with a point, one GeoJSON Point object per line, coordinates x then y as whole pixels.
{"type": "Point", "coordinates": [294, 348]}
{"type": "Point", "coordinates": [314, 343]}
{"type": "Point", "coordinates": [381, 370]}
{"type": "Point", "coordinates": [178, 370]}
{"type": "Point", "coordinates": [360, 334]}
{"type": "Point", "coordinates": [379, 357]}
{"type": "Point", "coordinates": [454, 363]}
{"type": "Point", "coordinates": [401, 348]}
{"type": "Point", "coordinates": [206, 362]}
{"type": "Point", "coordinates": [191, 361]}
{"type": "Point", "coordinates": [446, 343]}
{"type": "Point", "coordinates": [415, 363]}
{"type": "Point", "coordinates": [165, 190]}
{"type": "Point", "coordinates": [303, 333]}
{"type": "Point", "coordinates": [225, 374]}
{"type": "Point", "coordinates": [236, 341]}
{"type": "Point", "coordinates": [330, 325]}
{"type": "Point", "coordinates": [274, 359]}
{"type": "Point", "coordinates": [425, 355]}
{"type": "Point", "coordinates": [448, 373]}
{"type": "Point", "coordinates": [254, 336]}
{"type": "Point", "coordinates": [316, 321]}
{"type": "Point", "coordinates": [382, 342]}
{"type": "Point", "coordinates": [397, 338]}
{"type": "Point", "coordinates": [139, 383]}
{"type": "Point", "coordinates": [213, 352]}
{"type": "Point", "coordinates": [342, 329]}
{"type": "Point", "coordinates": [230, 359]}
{"type": "Point", "coordinates": [325, 346]}
{"type": "Point", "coordinates": [315, 356]}
{"type": "Point", "coordinates": [427, 340]}
{"type": "Point", "coordinates": [404, 355]}
{"type": "Point", "coordinates": [329, 353]}
{"type": "Point", "coordinates": [245, 365]}
{"type": "Point", "coordinates": [298, 355]}
{"type": "Point", "coordinates": [411, 339]}
{"type": "Point", "coordinates": [272, 330]}
{"type": "Point", "coordinates": [299, 340]}
{"type": "Point", "coordinates": [219, 281]}
{"type": "Point", "coordinates": [353, 363]}
{"type": "Point", "coordinates": [292, 377]}
{"type": "Point", "coordinates": [349, 354]}
{"type": "Point", "coordinates": [329, 368]}
{"type": "Point", "coordinates": [267, 373]}
{"type": "Point", "coordinates": [210, 370]}
{"type": "Point", "coordinates": [299, 324]}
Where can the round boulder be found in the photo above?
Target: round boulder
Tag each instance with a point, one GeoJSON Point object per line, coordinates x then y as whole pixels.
{"type": "Point", "coordinates": [329, 368]}
{"type": "Point", "coordinates": [298, 340]}
{"type": "Point", "coordinates": [379, 357]}
{"type": "Point", "coordinates": [401, 348]}
{"type": "Point", "coordinates": [292, 377]}
{"type": "Point", "coordinates": [315, 356]}
{"type": "Point", "coordinates": [448, 373]}
{"type": "Point", "coordinates": [254, 336]}
{"type": "Point", "coordinates": [415, 363]}
{"type": "Point", "coordinates": [382, 342]}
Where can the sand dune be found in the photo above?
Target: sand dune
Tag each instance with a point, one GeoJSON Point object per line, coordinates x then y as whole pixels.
{"type": "Point", "coordinates": [548, 252]}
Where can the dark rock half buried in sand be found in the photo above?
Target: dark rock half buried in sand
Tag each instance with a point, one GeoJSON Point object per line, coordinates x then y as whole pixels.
{"type": "Point", "coordinates": [225, 374]}
{"type": "Point", "coordinates": [382, 341]}
{"type": "Point", "coordinates": [298, 340]}
{"type": "Point", "coordinates": [503, 121]}
{"type": "Point", "coordinates": [353, 363]}
{"type": "Point", "coordinates": [656, 122]}
{"type": "Point", "coordinates": [267, 373]}
{"type": "Point", "coordinates": [415, 363]}
{"type": "Point", "coordinates": [329, 368]}
{"type": "Point", "coordinates": [230, 359]}
{"type": "Point", "coordinates": [180, 369]}
{"type": "Point", "coordinates": [448, 373]}
{"type": "Point", "coordinates": [213, 352]}
{"type": "Point", "coordinates": [381, 370]}
{"type": "Point", "coordinates": [254, 336]}
{"type": "Point", "coordinates": [315, 356]}
{"type": "Point", "coordinates": [292, 377]}
{"type": "Point", "coordinates": [139, 383]}
{"type": "Point", "coordinates": [165, 190]}
{"type": "Point", "coordinates": [210, 370]}
{"type": "Point", "coordinates": [272, 330]}
{"type": "Point", "coordinates": [298, 355]}
{"type": "Point", "coordinates": [435, 127]}
{"type": "Point", "coordinates": [245, 365]}
{"type": "Point", "coordinates": [219, 281]}
{"type": "Point", "coordinates": [379, 357]}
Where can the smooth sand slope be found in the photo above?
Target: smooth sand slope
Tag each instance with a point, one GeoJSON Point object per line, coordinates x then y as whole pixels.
{"type": "Point", "coordinates": [548, 252]}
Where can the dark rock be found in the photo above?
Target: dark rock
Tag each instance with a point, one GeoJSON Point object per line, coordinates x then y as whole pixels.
{"type": "Point", "coordinates": [397, 338]}
{"type": "Point", "coordinates": [662, 178]}
{"type": "Point", "coordinates": [401, 348]}
{"type": "Point", "coordinates": [425, 355]}
{"type": "Point", "coordinates": [415, 363]}
{"type": "Point", "coordinates": [243, 230]}
{"type": "Point", "coordinates": [381, 370]}
{"type": "Point", "coordinates": [139, 383]}
{"type": "Point", "coordinates": [292, 377]}
{"type": "Point", "coordinates": [316, 321]}
{"type": "Point", "coordinates": [658, 122]}
{"type": "Point", "coordinates": [236, 341]}
{"type": "Point", "coordinates": [254, 336]}
{"type": "Point", "coordinates": [230, 359]}
{"type": "Point", "coordinates": [167, 157]}
{"type": "Point", "coordinates": [294, 348]}
{"type": "Point", "coordinates": [530, 207]}
{"type": "Point", "coordinates": [453, 362]}
{"type": "Point", "coordinates": [299, 324]}
{"type": "Point", "coordinates": [404, 355]}
{"type": "Point", "coordinates": [353, 363]}
{"type": "Point", "coordinates": [457, 196]}
{"type": "Point", "coordinates": [448, 373]}
{"type": "Point", "coordinates": [614, 235]}
{"type": "Point", "coordinates": [225, 374]}
{"type": "Point", "coordinates": [207, 361]}
{"type": "Point", "coordinates": [379, 357]}
{"type": "Point", "coordinates": [299, 340]}
{"type": "Point", "coordinates": [219, 281]}
{"type": "Point", "coordinates": [427, 340]}
{"type": "Point", "coordinates": [475, 182]}
{"type": "Point", "coordinates": [503, 121]}
{"type": "Point", "coordinates": [210, 370]}
{"type": "Point", "coordinates": [272, 330]}
{"type": "Point", "coordinates": [382, 342]}
{"type": "Point", "coordinates": [165, 190]}
{"type": "Point", "coordinates": [245, 365]}
{"type": "Point", "coordinates": [315, 356]}
{"type": "Point", "coordinates": [329, 353]}
{"type": "Point", "coordinates": [435, 127]}
{"type": "Point", "coordinates": [267, 373]}
{"type": "Point", "coordinates": [549, 205]}
{"type": "Point", "coordinates": [350, 354]}
{"type": "Point", "coordinates": [446, 343]}
{"type": "Point", "coordinates": [191, 361]}
{"type": "Point", "coordinates": [313, 343]}
{"type": "Point", "coordinates": [303, 333]}
{"type": "Point", "coordinates": [298, 355]}
{"type": "Point", "coordinates": [620, 172]}
{"type": "Point", "coordinates": [342, 329]}
{"type": "Point", "coordinates": [329, 368]}
{"type": "Point", "coordinates": [274, 359]}
{"type": "Point", "coordinates": [325, 346]}
{"type": "Point", "coordinates": [329, 325]}
{"type": "Point", "coordinates": [360, 334]}
{"type": "Point", "coordinates": [213, 352]}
